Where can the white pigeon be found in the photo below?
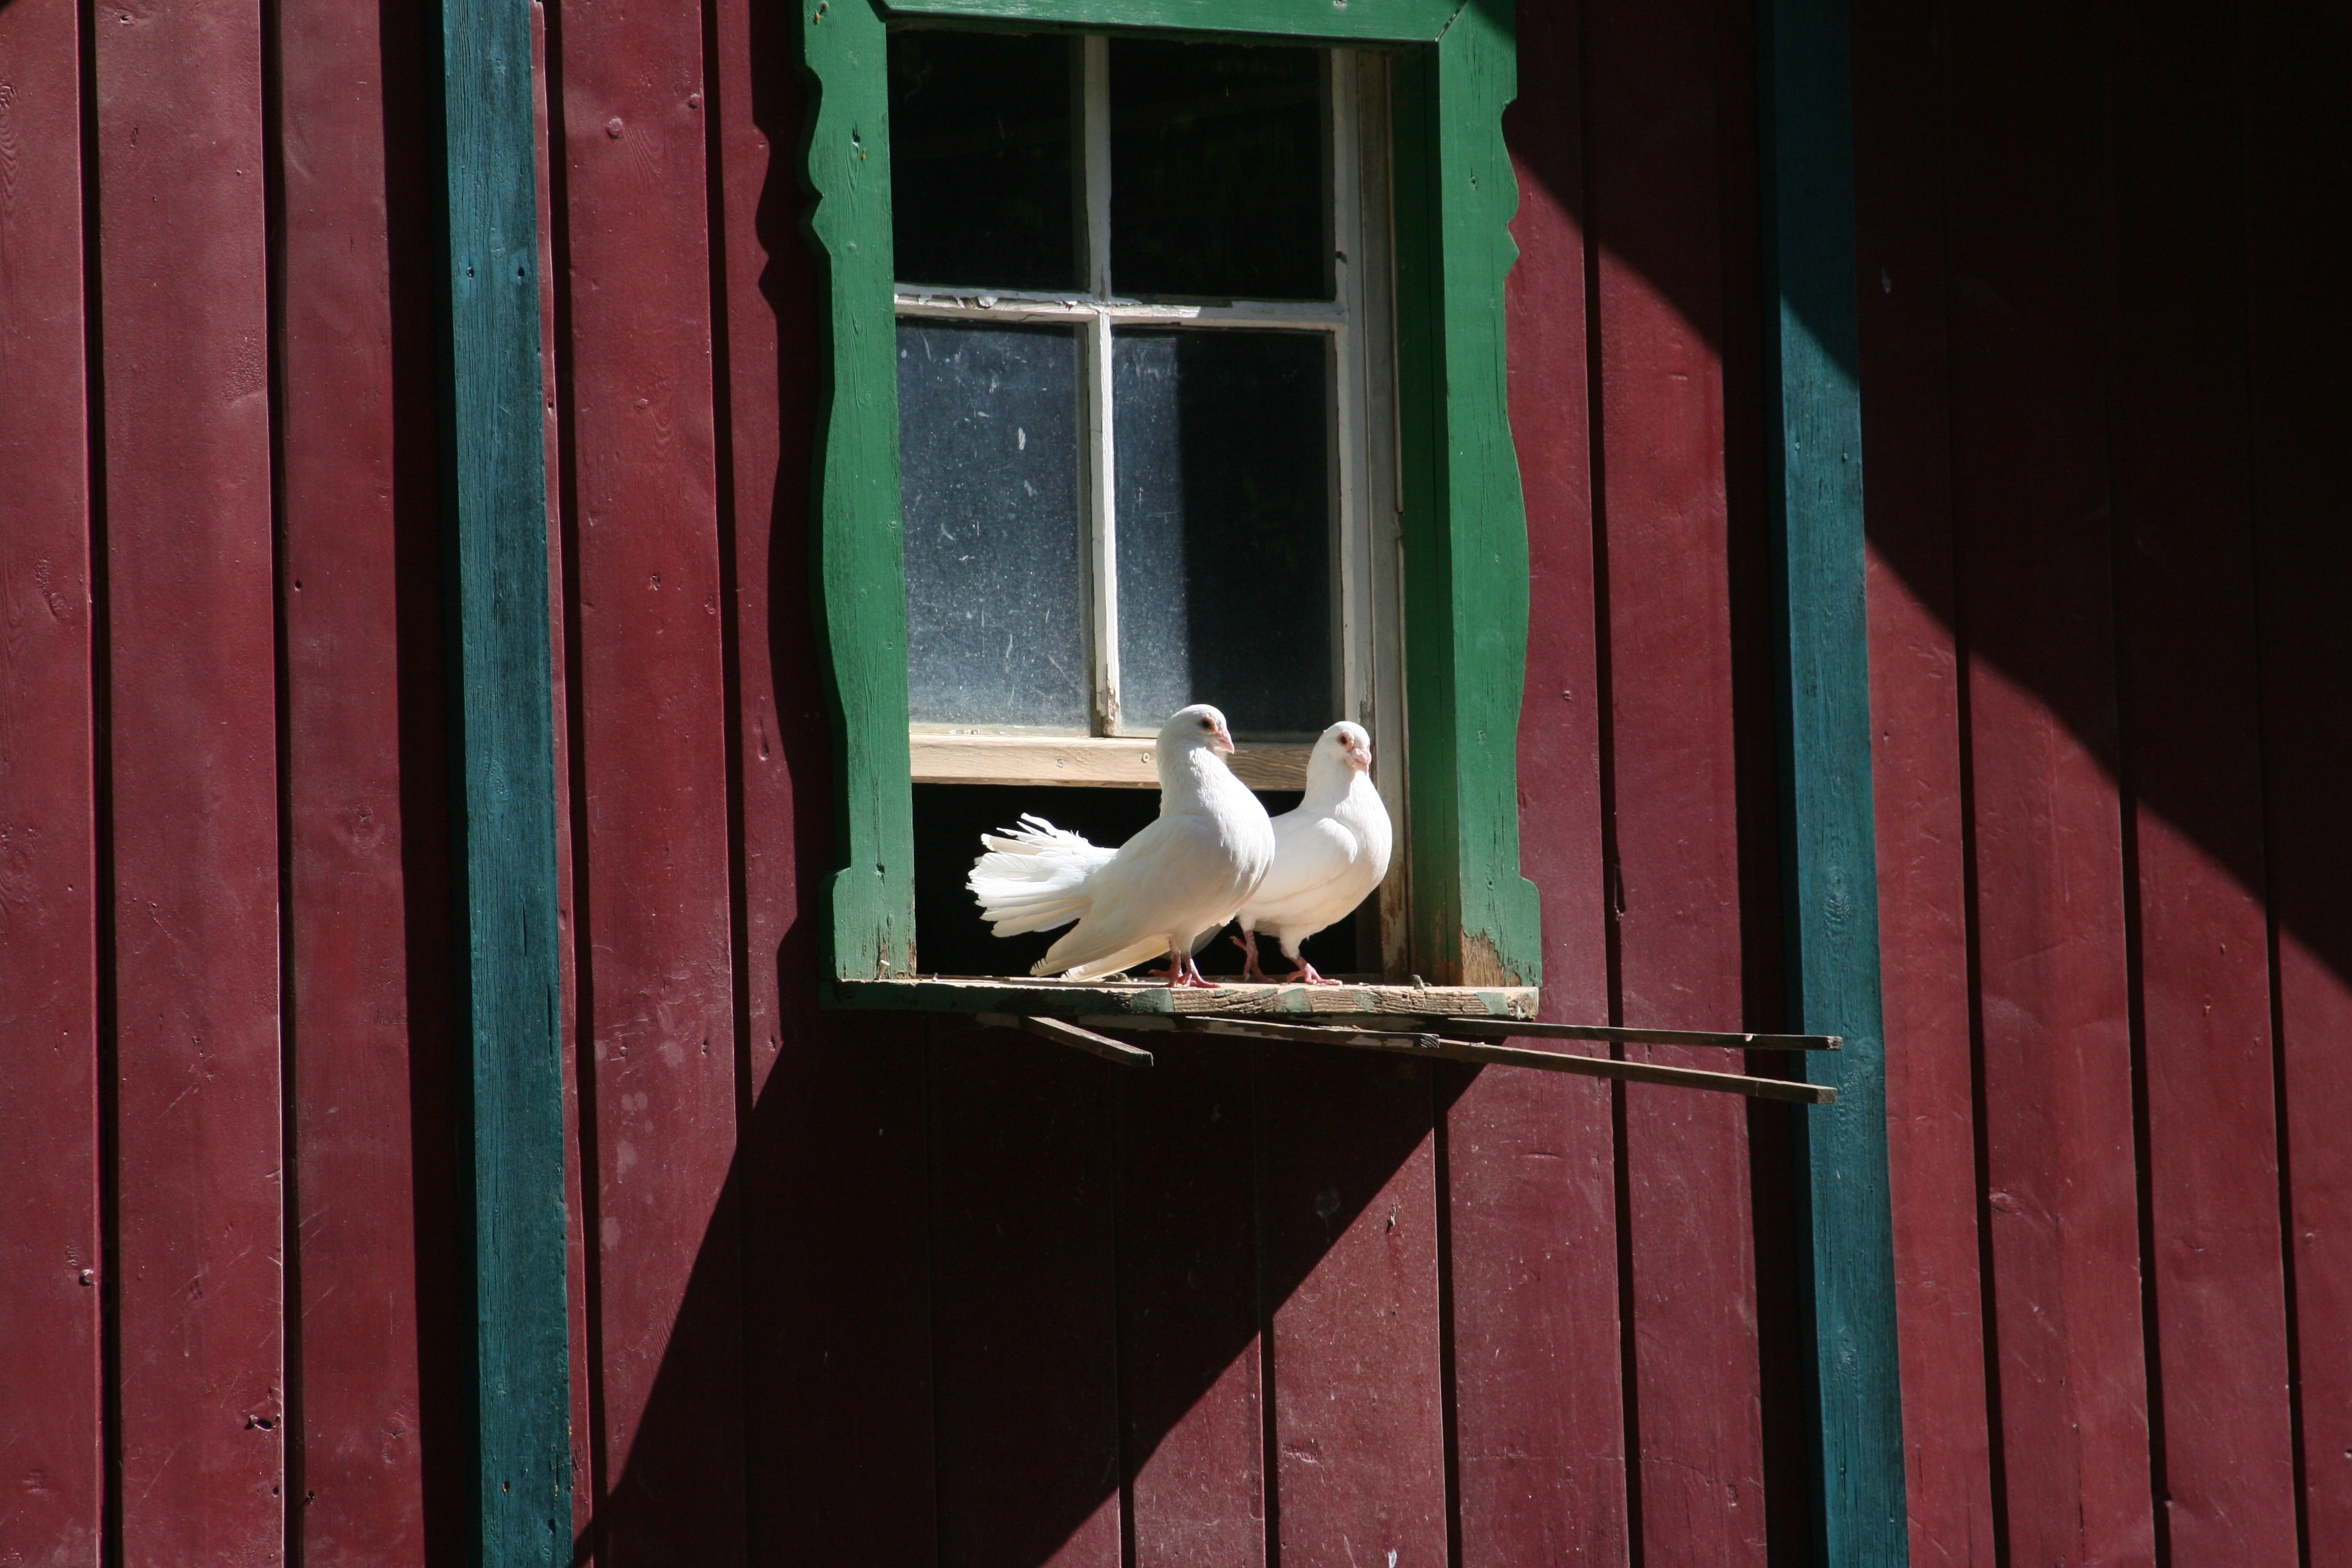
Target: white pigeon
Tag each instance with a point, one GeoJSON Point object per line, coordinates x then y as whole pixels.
{"type": "Point", "coordinates": [1327, 855]}
{"type": "Point", "coordinates": [1164, 891]}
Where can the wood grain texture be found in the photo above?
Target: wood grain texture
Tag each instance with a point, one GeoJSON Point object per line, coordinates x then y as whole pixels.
{"type": "Point", "coordinates": [1653, 165]}
{"type": "Point", "coordinates": [511, 977]}
{"type": "Point", "coordinates": [2299, 431]}
{"type": "Point", "coordinates": [2178, 443]}
{"type": "Point", "coordinates": [1348, 1259]}
{"type": "Point", "coordinates": [1814, 455]}
{"type": "Point", "coordinates": [1475, 919]}
{"type": "Point", "coordinates": [366, 784]}
{"type": "Point", "coordinates": [1915, 697]}
{"type": "Point", "coordinates": [860, 563]}
{"type": "Point", "coordinates": [1084, 760]}
{"type": "Point", "coordinates": [1190, 1392]}
{"type": "Point", "coordinates": [183, 296]}
{"type": "Point", "coordinates": [649, 757]}
{"type": "Point", "coordinates": [1025, 1312]}
{"type": "Point", "coordinates": [51, 1456]}
{"type": "Point", "coordinates": [2028, 423]}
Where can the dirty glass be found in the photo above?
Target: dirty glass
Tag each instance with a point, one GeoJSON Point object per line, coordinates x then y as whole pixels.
{"type": "Point", "coordinates": [982, 187]}
{"type": "Point", "coordinates": [1225, 527]}
{"type": "Point", "coordinates": [994, 525]}
{"type": "Point", "coordinates": [1218, 187]}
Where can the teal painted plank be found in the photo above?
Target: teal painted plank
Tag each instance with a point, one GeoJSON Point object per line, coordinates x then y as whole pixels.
{"type": "Point", "coordinates": [1296, 21]}
{"type": "Point", "coordinates": [1829, 853]}
{"type": "Point", "coordinates": [494, 512]}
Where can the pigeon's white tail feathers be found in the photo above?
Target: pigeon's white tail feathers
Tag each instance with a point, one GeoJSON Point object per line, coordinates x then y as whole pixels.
{"type": "Point", "coordinates": [1034, 877]}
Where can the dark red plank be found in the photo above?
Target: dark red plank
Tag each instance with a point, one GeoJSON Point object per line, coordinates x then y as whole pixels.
{"type": "Point", "coordinates": [365, 786]}
{"type": "Point", "coordinates": [2027, 422]}
{"type": "Point", "coordinates": [2300, 321]}
{"type": "Point", "coordinates": [2185, 607]}
{"type": "Point", "coordinates": [1915, 694]}
{"type": "Point", "coordinates": [838, 1347]}
{"type": "Point", "coordinates": [657, 953]}
{"type": "Point", "coordinates": [1657, 187]}
{"type": "Point", "coordinates": [1348, 1255]}
{"type": "Point", "coordinates": [50, 1459]}
{"type": "Point", "coordinates": [1022, 1304]}
{"type": "Point", "coordinates": [1539, 1435]}
{"type": "Point", "coordinates": [183, 300]}
{"type": "Point", "coordinates": [1189, 1348]}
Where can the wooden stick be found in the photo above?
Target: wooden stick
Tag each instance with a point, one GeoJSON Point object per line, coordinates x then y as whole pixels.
{"type": "Point", "coordinates": [1503, 1029]}
{"type": "Point", "coordinates": [1067, 1034]}
{"type": "Point", "coordinates": [1431, 1045]}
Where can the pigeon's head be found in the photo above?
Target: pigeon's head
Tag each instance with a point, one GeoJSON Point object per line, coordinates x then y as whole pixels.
{"type": "Point", "coordinates": [1199, 725]}
{"type": "Point", "coordinates": [1350, 743]}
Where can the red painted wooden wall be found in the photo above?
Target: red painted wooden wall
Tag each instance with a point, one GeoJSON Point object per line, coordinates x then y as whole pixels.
{"type": "Point", "coordinates": [888, 1293]}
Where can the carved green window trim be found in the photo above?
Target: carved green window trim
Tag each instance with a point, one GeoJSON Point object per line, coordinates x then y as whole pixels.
{"type": "Point", "coordinates": [1474, 918]}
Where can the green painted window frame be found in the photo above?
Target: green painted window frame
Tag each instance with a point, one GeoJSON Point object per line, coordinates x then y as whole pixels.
{"type": "Point", "coordinates": [1474, 918]}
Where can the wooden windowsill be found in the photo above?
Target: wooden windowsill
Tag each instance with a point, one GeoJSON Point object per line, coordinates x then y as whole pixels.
{"type": "Point", "coordinates": [1105, 999]}
{"type": "Point", "coordinates": [1083, 760]}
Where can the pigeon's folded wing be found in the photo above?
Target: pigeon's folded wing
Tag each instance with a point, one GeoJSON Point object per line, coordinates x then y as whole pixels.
{"type": "Point", "coordinates": [1173, 877]}
{"type": "Point", "coordinates": [1311, 853]}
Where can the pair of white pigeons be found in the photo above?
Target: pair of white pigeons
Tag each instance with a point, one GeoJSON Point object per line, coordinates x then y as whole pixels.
{"type": "Point", "coordinates": [1213, 856]}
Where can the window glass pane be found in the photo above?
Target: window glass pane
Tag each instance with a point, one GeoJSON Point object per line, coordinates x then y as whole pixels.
{"type": "Point", "coordinates": [1217, 177]}
{"type": "Point", "coordinates": [995, 531]}
{"type": "Point", "coordinates": [981, 179]}
{"type": "Point", "coordinates": [1224, 528]}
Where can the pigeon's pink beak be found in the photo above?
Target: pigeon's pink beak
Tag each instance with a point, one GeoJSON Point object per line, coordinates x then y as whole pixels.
{"type": "Point", "coordinates": [1361, 756]}
{"type": "Point", "coordinates": [1224, 740]}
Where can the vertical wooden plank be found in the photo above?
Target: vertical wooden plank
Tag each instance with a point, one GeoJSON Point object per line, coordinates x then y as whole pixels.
{"type": "Point", "coordinates": [1653, 162]}
{"type": "Point", "coordinates": [1022, 1313]}
{"type": "Point", "coordinates": [1348, 1257]}
{"type": "Point", "coordinates": [2027, 254]}
{"type": "Point", "coordinates": [495, 512]}
{"type": "Point", "coordinates": [1190, 1415]}
{"type": "Point", "coordinates": [1915, 697]}
{"type": "Point", "coordinates": [50, 1453]}
{"type": "Point", "coordinates": [837, 1364]}
{"type": "Point", "coordinates": [1539, 1437]}
{"type": "Point", "coordinates": [1830, 875]}
{"type": "Point", "coordinates": [657, 987]}
{"type": "Point", "coordinates": [2190, 706]}
{"type": "Point", "coordinates": [366, 784]}
{"type": "Point", "coordinates": [192, 702]}
{"type": "Point", "coordinates": [2299, 212]}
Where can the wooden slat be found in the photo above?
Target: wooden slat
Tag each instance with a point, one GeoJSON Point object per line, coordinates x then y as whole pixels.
{"type": "Point", "coordinates": [1065, 999]}
{"type": "Point", "coordinates": [1812, 441]}
{"type": "Point", "coordinates": [1190, 1393]}
{"type": "Point", "coordinates": [495, 512]}
{"type": "Point", "coordinates": [837, 1355]}
{"type": "Point", "coordinates": [1071, 1034]}
{"type": "Point", "coordinates": [193, 705]}
{"type": "Point", "coordinates": [366, 781]}
{"type": "Point", "coordinates": [1348, 1229]}
{"type": "Point", "coordinates": [1090, 761]}
{"type": "Point", "coordinates": [1538, 1029]}
{"type": "Point", "coordinates": [1916, 712]}
{"type": "Point", "coordinates": [2178, 438]}
{"type": "Point", "coordinates": [2299, 162]}
{"type": "Point", "coordinates": [1024, 1306]}
{"type": "Point", "coordinates": [2028, 421]}
{"type": "Point", "coordinates": [656, 986]}
{"type": "Point", "coordinates": [1655, 190]}
{"type": "Point", "coordinates": [51, 1400]}
{"type": "Point", "coordinates": [1530, 1184]}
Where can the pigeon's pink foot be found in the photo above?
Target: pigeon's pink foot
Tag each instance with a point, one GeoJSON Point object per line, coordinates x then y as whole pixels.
{"type": "Point", "coordinates": [1247, 943]}
{"type": "Point", "coordinates": [1183, 972]}
{"type": "Point", "coordinates": [1307, 976]}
